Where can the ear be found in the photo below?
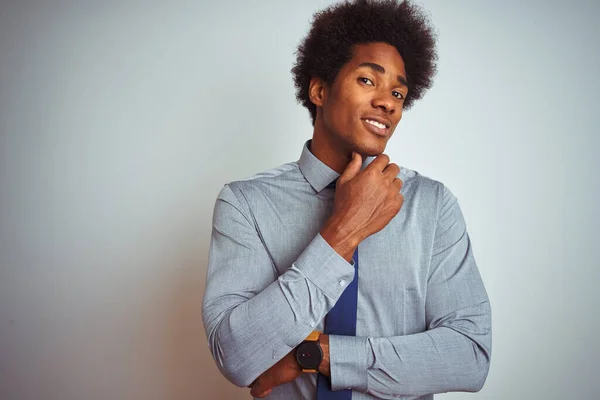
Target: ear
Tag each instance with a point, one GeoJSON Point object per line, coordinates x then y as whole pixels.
{"type": "Point", "coordinates": [316, 91]}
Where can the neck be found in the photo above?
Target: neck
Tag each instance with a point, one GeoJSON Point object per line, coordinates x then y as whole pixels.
{"type": "Point", "coordinates": [328, 150]}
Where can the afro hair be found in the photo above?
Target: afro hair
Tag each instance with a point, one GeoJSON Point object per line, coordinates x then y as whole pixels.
{"type": "Point", "coordinates": [337, 29]}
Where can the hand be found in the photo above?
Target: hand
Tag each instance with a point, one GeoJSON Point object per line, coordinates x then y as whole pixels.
{"type": "Point", "coordinates": [286, 370]}
{"type": "Point", "coordinates": [365, 202]}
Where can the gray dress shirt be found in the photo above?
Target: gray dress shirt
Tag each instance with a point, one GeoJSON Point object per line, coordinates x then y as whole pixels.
{"type": "Point", "coordinates": [423, 320]}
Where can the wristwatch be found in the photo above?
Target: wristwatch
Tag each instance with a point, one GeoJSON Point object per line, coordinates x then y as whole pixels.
{"type": "Point", "coordinates": [309, 353]}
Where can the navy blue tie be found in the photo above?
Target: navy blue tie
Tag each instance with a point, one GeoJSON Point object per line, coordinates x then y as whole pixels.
{"type": "Point", "coordinates": [341, 320]}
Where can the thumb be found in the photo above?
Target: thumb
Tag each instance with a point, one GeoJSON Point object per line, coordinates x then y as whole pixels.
{"type": "Point", "coordinates": [352, 168]}
{"type": "Point", "coordinates": [261, 388]}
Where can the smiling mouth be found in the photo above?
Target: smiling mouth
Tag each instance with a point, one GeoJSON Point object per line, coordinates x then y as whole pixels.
{"type": "Point", "coordinates": [376, 127]}
{"type": "Point", "coordinates": [375, 123]}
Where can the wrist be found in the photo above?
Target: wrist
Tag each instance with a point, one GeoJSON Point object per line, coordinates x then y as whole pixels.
{"type": "Point", "coordinates": [344, 241]}
{"type": "Point", "coordinates": [309, 353]}
{"type": "Point", "coordinates": [324, 343]}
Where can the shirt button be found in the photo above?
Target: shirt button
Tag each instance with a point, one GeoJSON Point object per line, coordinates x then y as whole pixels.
{"type": "Point", "coordinates": [342, 282]}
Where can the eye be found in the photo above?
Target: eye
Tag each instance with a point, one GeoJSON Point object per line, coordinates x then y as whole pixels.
{"type": "Point", "coordinates": [366, 81]}
{"type": "Point", "coordinates": [398, 95]}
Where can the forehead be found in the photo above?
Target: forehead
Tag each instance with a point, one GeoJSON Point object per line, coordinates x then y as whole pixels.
{"type": "Point", "coordinates": [383, 54]}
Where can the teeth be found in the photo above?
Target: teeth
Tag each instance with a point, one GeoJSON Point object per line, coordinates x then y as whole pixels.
{"type": "Point", "coordinates": [375, 123]}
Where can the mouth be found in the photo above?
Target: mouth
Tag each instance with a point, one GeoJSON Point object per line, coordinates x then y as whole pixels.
{"type": "Point", "coordinates": [377, 127]}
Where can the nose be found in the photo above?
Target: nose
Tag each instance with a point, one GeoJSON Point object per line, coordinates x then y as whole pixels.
{"type": "Point", "coordinates": [384, 101]}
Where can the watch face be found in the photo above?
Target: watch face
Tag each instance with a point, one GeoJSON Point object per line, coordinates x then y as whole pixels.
{"type": "Point", "coordinates": [309, 355]}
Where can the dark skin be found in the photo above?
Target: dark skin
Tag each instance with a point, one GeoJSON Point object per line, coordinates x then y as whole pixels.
{"type": "Point", "coordinates": [356, 116]}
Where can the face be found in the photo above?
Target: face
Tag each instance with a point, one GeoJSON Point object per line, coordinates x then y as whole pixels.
{"type": "Point", "coordinates": [360, 110]}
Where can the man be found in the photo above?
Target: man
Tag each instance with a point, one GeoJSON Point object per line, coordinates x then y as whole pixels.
{"type": "Point", "coordinates": [343, 274]}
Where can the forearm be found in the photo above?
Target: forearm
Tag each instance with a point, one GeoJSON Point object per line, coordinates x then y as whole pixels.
{"type": "Point", "coordinates": [451, 357]}
{"type": "Point", "coordinates": [250, 335]}
{"type": "Point", "coordinates": [436, 361]}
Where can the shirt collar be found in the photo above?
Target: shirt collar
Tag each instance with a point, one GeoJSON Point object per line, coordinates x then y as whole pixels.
{"type": "Point", "coordinates": [316, 172]}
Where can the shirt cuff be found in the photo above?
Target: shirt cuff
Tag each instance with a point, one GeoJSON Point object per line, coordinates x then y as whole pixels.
{"type": "Point", "coordinates": [348, 362]}
{"type": "Point", "coordinates": [324, 267]}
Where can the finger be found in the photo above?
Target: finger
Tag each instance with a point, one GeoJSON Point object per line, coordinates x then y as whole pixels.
{"type": "Point", "coordinates": [263, 386]}
{"type": "Point", "coordinates": [352, 168]}
{"type": "Point", "coordinates": [398, 183]}
{"type": "Point", "coordinates": [258, 388]}
{"type": "Point", "coordinates": [391, 171]}
{"type": "Point", "coordinates": [260, 394]}
{"type": "Point", "coordinates": [256, 391]}
{"type": "Point", "coordinates": [380, 162]}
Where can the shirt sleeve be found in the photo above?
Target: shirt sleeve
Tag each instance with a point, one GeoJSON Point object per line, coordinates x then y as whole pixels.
{"type": "Point", "coordinates": [453, 354]}
{"type": "Point", "coordinates": [252, 316]}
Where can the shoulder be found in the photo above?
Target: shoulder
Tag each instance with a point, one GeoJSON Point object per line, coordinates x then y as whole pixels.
{"type": "Point", "coordinates": [415, 181]}
{"type": "Point", "coordinates": [429, 193]}
{"type": "Point", "coordinates": [262, 182]}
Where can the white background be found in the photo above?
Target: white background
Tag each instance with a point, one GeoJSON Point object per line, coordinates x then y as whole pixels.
{"type": "Point", "coordinates": [121, 121]}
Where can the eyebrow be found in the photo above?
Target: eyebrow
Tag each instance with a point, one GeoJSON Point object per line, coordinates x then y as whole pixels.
{"type": "Point", "coordinates": [379, 68]}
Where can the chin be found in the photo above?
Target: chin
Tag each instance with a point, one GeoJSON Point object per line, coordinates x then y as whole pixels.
{"type": "Point", "coordinates": [370, 149]}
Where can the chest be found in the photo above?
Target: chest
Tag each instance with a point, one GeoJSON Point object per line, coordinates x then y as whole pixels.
{"type": "Point", "coordinates": [395, 257]}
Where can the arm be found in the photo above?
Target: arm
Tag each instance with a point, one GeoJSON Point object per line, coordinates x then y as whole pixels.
{"type": "Point", "coordinates": [252, 317]}
{"type": "Point", "coordinates": [453, 354]}
{"type": "Point", "coordinates": [365, 202]}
